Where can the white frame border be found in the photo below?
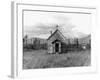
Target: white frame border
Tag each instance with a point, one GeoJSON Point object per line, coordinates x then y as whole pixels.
{"type": "Point", "coordinates": [17, 11]}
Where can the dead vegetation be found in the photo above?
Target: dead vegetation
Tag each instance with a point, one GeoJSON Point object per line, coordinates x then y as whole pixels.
{"type": "Point", "coordinates": [35, 59]}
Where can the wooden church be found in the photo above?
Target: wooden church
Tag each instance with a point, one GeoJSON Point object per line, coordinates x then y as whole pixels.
{"type": "Point", "coordinates": [56, 42]}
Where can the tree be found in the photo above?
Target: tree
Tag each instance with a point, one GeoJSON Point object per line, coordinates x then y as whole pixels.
{"type": "Point", "coordinates": [25, 38]}
{"type": "Point", "coordinates": [25, 41]}
{"type": "Point", "coordinates": [76, 42]}
{"type": "Point", "coordinates": [36, 44]}
{"type": "Point", "coordinates": [69, 41]}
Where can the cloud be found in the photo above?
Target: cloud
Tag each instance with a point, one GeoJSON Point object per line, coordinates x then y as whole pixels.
{"type": "Point", "coordinates": [43, 28]}
{"type": "Point", "coordinates": [74, 34]}
{"type": "Point", "coordinates": [40, 28]}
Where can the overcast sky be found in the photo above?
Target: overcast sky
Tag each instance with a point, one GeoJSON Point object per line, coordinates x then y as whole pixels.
{"type": "Point", "coordinates": [39, 24]}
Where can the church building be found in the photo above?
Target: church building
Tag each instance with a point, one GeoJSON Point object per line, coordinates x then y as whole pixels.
{"type": "Point", "coordinates": [56, 42]}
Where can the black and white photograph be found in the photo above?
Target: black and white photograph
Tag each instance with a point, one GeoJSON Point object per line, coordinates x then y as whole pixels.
{"type": "Point", "coordinates": [56, 39]}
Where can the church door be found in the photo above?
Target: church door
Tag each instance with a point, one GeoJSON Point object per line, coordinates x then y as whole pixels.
{"type": "Point", "coordinates": [56, 47]}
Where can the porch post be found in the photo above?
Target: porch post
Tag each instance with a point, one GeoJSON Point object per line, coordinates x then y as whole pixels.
{"type": "Point", "coordinates": [59, 47]}
{"type": "Point", "coordinates": [54, 47]}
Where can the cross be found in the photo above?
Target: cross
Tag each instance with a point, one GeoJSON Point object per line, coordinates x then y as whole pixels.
{"type": "Point", "coordinates": [57, 27]}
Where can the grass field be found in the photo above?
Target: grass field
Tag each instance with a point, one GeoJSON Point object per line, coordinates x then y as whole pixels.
{"type": "Point", "coordinates": [41, 59]}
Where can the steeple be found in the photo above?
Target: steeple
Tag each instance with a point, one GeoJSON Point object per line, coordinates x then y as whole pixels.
{"type": "Point", "coordinates": [57, 27]}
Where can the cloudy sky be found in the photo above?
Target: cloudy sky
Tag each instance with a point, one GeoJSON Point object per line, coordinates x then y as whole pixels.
{"type": "Point", "coordinates": [39, 24]}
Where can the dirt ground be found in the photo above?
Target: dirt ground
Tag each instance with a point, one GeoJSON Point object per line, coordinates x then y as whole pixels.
{"type": "Point", "coordinates": [35, 59]}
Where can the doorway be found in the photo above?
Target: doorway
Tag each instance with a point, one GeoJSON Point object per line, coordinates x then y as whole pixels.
{"type": "Point", "coordinates": [56, 47]}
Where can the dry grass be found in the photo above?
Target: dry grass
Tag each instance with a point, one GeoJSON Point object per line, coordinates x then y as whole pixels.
{"type": "Point", "coordinates": [41, 59]}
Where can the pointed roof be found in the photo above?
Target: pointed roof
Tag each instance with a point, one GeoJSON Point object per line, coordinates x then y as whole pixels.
{"type": "Point", "coordinates": [57, 31]}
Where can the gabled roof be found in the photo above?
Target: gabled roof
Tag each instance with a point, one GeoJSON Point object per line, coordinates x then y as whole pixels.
{"type": "Point", "coordinates": [56, 41]}
{"type": "Point", "coordinates": [57, 30]}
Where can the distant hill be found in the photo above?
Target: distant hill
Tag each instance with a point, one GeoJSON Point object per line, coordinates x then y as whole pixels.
{"type": "Point", "coordinates": [86, 39]}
